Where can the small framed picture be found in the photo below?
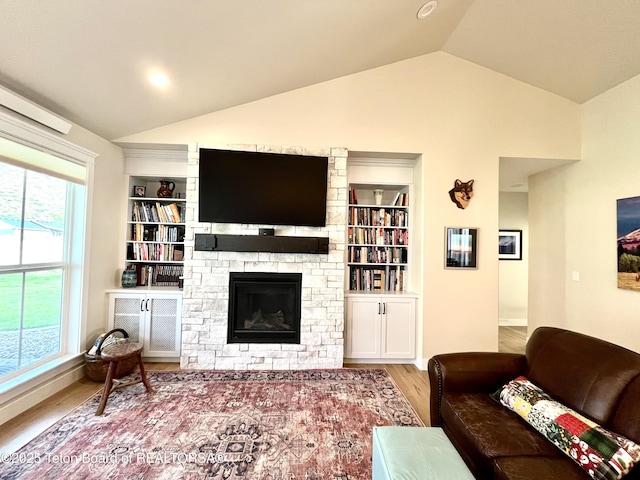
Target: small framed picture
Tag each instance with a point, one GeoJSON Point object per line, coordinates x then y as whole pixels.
{"type": "Point", "coordinates": [139, 191]}
{"type": "Point", "coordinates": [510, 245]}
{"type": "Point", "coordinates": [461, 247]}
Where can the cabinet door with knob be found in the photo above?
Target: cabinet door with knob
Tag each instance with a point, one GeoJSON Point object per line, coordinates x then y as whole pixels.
{"type": "Point", "coordinates": [150, 318]}
{"type": "Point", "coordinates": [363, 324]}
{"type": "Point", "coordinates": [380, 326]}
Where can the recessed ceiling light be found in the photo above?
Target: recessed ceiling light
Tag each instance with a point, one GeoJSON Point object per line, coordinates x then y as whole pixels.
{"type": "Point", "coordinates": [158, 79]}
{"type": "Point", "coordinates": [427, 9]}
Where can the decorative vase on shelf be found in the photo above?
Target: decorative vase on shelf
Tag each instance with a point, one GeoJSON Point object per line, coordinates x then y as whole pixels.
{"type": "Point", "coordinates": [377, 196]}
{"type": "Point", "coordinates": [166, 189]}
{"type": "Point", "coordinates": [129, 278]}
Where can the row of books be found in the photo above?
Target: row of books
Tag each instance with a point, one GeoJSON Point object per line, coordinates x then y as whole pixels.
{"type": "Point", "coordinates": [156, 233]}
{"type": "Point", "coordinates": [390, 279]}
{"type": "Point", "coordinates": [378, 217]}
{"type": "Point", "coordinates": [400, 199]}
{"type": "Point", "coordinates": [155, 252]}
{"type": "Point", "coordinates": [159, 275]}
{"type": "Point", "coordinates": [353, 196]}
{"type": "Point", "coordinates": [377, 236]}
{"type": "Point", "coordinates": [377, 255]}
{"type": "Point", "coordinates": [156, 212]}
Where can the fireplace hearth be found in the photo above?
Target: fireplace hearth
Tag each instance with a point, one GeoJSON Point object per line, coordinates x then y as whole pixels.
{"type": "Point", "coordinates": [264, 307]}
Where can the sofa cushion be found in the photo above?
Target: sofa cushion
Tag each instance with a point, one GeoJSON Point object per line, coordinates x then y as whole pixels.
{"type": "Point", "coordinates": [599, 452]}
{"type": "Point", "coordinates": [585, 373]}
{"type": "Point", "coordinates": [482, 430]}
{"type": "Point", "coordinates": [537, 468]}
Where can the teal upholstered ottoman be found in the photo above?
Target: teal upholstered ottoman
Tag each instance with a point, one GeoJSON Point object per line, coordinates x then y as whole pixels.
{"type": "Point", "coordinates": [412, 453]}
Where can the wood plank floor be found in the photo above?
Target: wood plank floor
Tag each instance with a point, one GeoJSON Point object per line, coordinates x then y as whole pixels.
{"type": "Point", "coordinates": [413, 382]}
{"type": "Point", "coordinates": [512, 339]}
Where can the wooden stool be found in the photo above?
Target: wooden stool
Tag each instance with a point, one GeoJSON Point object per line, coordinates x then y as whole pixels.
{"type": "Point", "coordinates": [114, 354]}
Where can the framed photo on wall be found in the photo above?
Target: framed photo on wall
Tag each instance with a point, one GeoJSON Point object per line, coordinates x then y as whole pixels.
{"type": "Point", "coordinates": [510, 245]}
{"type": "Point", "coordinates": [628, 243]}
{"type": "Point", "coordinates": [461, 247]}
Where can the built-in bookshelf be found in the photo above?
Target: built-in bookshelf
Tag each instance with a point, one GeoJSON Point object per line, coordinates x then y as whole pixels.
{"type": "Point", "coordinates": [155, 230]}
{"type": "Point", "coordinates": [378, 238]}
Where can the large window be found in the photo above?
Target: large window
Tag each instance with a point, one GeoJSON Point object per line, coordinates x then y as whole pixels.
{"type": "Point", "coordinates": [33, 229]}
{"type": "Point", "coordinates": [42, 255]}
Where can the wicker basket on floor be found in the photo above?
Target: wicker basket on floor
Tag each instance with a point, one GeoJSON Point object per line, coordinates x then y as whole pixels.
{"type": "Point", "coordinates": [97, 368]}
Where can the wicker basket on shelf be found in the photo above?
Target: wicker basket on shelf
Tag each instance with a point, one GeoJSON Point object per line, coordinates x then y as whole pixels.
{"type": "Point", "coordinates": [97, 368]}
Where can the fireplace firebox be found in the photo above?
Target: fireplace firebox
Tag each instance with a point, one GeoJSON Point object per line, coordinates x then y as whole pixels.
{"type": "Point", "coordinates": [264, 307]}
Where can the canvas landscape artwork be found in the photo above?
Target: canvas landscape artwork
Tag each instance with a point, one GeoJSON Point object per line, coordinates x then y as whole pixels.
{"type": "Point", "coordinates": [628, 239]}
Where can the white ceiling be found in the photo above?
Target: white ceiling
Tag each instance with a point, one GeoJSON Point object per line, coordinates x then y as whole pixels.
{"type": "Point", "coordinates": [87, 60]}
{"type": "Point", "coordinates": [515, 172]}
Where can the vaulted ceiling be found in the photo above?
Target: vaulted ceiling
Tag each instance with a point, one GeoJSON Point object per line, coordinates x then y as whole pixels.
{"type": "Point", "coordinates": [88, 60]}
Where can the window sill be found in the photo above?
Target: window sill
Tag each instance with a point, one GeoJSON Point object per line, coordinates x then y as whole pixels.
{"type": "Point", "coordinates": [38, 376]}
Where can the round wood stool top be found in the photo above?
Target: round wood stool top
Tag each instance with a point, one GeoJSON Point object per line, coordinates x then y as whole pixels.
{"type": "Point", "coordinates": [121, 352]}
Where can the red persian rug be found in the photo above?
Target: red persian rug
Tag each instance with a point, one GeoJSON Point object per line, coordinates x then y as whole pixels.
{"type": "Point", "coordinates": [249, 425]}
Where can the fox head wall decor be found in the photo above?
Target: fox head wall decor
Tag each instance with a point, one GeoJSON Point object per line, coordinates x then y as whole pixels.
{"type": "Point", "coordinates": [461, 193]}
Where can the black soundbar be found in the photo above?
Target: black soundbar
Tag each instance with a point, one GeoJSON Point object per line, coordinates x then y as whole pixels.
{"type": "Point", "coordinates": [257, 243]}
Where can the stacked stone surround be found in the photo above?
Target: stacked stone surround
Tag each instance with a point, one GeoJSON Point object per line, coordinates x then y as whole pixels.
{"type": "Point", "coordinates": [206, 282]}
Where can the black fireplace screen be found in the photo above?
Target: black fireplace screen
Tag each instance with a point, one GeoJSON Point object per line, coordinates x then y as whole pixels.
{"type": "Point", "coordinates": [264, 307]}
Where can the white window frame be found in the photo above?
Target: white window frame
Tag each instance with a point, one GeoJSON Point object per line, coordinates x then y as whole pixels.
{"type": "Point", "coordinates": [53, 148]}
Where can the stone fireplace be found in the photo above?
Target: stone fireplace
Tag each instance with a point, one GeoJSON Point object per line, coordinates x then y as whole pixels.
{"type": "Point", "coordinates": [207, 341]}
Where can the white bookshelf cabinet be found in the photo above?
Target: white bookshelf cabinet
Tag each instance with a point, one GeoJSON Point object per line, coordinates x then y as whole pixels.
{"type": "Point", "coordinates": [380, 310]}
{"type": "Point", "coordinates": [380, 326]}
{"type": "Point", "coordinates": [378, 238]}
{"type": "Point", "coordinates": [155, 230]}
{"type": "Point", "coordinates": [151, 317]}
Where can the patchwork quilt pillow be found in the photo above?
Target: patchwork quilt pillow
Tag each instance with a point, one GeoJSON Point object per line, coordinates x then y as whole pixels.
{"type": "Point", "coordinates": [604, 455]}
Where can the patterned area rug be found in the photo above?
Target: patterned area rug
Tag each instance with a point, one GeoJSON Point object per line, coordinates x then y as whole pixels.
{"type": "Point", "coordinates": [249, 425]}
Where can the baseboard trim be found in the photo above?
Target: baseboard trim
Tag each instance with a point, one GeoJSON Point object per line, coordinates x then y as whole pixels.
{"type": "Point", "coordinates": [37, 394]}
{"type": "Point", "coordinates": [374, 361]}
{"type": "Point", "coordinates": [512, 322]}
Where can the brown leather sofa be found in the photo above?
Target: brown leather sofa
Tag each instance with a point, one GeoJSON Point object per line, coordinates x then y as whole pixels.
{"type": "Point", "coordinates": [597, 379]}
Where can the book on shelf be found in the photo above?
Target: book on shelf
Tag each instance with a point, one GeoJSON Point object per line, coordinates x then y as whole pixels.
{"type": "Point", "coordinates": [156, 233]}
{"type": "Point", "coordinates": [377, 236]}
{"type": "Point", "coordinates": [401, 200]}
{"type": "Point", "coordinates": [379, 280]}
{"type": "Point", "coordinates": [388, 279]}
{"type": "Point", "coordinates": [158, 213]}
{"type": "Point", "coordinates": [374, 254]}
{"type": "Point", "coordinates": [353, 196]}
{"type": "Point", "coordinates": [365, 254]}
{"type": "Point", "coordinates": [374, 217]}
{"type": "Point", "coordinates": [175, 213]}
{"type": "Point", "coordinates": [155, 212]}
{"type": "Point", "coordinates": [159, 275]}
{"type": "Point", "coordinates": [396, 280]}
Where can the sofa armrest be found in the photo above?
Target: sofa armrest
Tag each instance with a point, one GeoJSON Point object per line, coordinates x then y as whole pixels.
{"type": "Point", "coordinates": [472, 372]}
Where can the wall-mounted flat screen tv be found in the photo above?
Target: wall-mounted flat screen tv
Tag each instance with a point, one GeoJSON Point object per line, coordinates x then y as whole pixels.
{"type": "Point", "coordinates": [262, 188]}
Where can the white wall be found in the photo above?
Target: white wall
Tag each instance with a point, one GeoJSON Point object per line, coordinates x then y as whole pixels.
{"type": "Point", "coordinates": [576, 230]}
{"type": "Point", "coordinates": [460, 117]}
{"type": "Point", "coordinates": [107, 226]}
{"type": "Point", "coordinates": [514, 274]}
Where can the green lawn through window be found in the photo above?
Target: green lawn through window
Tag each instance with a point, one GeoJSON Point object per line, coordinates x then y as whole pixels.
{"type": "Point", "coordinates": [42, 291]}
